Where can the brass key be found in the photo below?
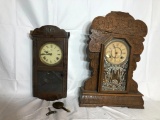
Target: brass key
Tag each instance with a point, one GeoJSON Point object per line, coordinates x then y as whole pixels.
{"type": "Point", "coordinates": [60, 105]}
{"type": "Point", "coordinates": [50, 112]}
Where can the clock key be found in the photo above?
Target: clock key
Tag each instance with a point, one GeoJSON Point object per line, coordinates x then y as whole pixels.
{"type": "Point", "coordinates": [50, 112]}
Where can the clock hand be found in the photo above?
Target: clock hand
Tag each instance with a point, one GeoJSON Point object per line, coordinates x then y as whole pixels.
{"type": "Point", "coordinates": [113, 53]}
{"type": "Point", "coordinates": [116, 53]}
{"type": "Point", "coordinates": [46, 51]}
{"type": "Point", "coordinates": [46, 54]}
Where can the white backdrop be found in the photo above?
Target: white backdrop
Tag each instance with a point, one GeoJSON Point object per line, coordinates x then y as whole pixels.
{"type": "Point", "coordinates": [18, 17]}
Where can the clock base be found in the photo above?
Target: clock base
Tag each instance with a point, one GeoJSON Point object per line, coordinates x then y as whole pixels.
{"type": "Point", "coordinates": [93, 99]}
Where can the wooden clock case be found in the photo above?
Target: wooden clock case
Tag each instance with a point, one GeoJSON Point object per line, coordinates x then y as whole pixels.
{"type": "Point", "coordinates": [49, 82]}
{"type": "Point", "coordinates": [113, 25]}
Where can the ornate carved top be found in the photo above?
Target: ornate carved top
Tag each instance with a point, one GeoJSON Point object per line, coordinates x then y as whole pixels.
{"type": "Point", "coordinates": [49, 31]}
{"type": "Point", "coordinates": [120, 23]}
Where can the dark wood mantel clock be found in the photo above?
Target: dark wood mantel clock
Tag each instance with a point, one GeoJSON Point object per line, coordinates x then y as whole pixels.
{"type": "Point", "coordinates": [115, 45]}
{"type": "Point", "coordinates": [50, 57]}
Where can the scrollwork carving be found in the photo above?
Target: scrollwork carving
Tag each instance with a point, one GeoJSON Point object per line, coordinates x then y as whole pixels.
{"type": "Point", "coordinates": [91, 83]}
{"type": "Point", "coordinates": [48, 31]}
{"type": "Point", "coordinates": [120, 23]}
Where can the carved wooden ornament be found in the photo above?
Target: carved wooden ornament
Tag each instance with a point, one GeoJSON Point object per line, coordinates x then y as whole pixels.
{"type": "Point", "coordinates": [112, 84]}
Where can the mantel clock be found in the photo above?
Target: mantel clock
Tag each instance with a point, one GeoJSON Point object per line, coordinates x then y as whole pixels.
{"type": "Point", "coordinates": [50, 57]}
{"type": "Point", "coordinates": [115, 45]}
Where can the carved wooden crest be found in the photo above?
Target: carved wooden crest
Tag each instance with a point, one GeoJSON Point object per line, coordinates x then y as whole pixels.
{"type": "Point", "coordinates": [115, 23]}
{"type": "Point", "coordinates": [49, 31]}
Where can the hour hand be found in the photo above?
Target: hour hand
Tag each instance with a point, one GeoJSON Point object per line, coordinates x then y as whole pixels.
{"type": "Point", "coordinates": [46, 51]}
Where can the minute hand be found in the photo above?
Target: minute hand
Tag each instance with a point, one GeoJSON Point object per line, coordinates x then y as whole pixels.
{"type": "Point", "coordinates": [46, 54]}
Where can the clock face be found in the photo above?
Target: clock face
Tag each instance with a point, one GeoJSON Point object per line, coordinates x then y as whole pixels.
{"type": "Point", "coordinates": [50, 54]}
{"type": "Point", "coordinates": [116, 51]}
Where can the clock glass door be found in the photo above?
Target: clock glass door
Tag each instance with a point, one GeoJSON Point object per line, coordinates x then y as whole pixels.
{"type": "Point", "coordinates": [50, 82]}
{"type": "Point", "coordinates": [115, 64]}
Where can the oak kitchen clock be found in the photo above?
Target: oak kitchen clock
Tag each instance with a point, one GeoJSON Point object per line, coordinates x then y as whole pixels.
{"type": "Point", "coordinates": [50, 57]}
{"type": "Point", "coordinates": [115, 45]}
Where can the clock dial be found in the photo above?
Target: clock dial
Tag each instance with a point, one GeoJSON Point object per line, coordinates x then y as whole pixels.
{"type": "Point", "coordinates": [116, 52]}
{"type": "Point", "coordinates": [50, 54]}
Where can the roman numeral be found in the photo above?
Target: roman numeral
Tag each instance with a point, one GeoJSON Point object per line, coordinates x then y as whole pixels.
{"type": "Point", "coordinates": [44, 57]}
